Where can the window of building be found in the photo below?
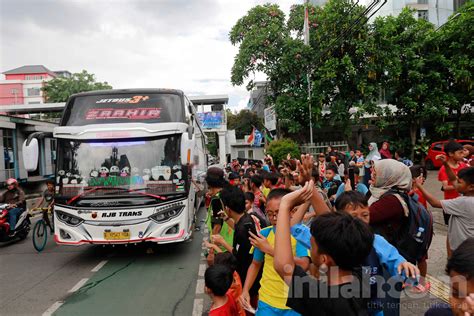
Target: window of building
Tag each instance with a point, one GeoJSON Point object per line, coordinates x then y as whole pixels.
{"type": "Point", "coordinates": [9, 154]}
{"type": "Point", "coordinates": [422, 1]}
{"type": "Point", "coordinates": [423, 14]}
{"type": "Point", "coordinates": [457, 4]}
{"type": "Point", "coordinates": [53, 154]}
{"type": "Point", "coordinates": [250, 154]}
{"type": "Point", "coordinates": [241, 154]}
{"type": "Point", "coordinates": [33, 92]}
{"type": "Point", "coordinates": [34, 102]}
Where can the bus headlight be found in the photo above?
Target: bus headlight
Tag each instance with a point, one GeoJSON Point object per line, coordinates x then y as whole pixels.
{"type": "Point", "coordinates": [163, 215]}
{"type": "Point", "coordinates": [69, 219]}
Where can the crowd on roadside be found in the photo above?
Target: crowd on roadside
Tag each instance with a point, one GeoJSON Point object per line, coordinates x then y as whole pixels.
{"type": "Point", "coordinates": [336, 234]}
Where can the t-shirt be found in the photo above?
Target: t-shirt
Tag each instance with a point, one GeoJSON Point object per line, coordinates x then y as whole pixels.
{"type": "Point", "coordinates": [48, 196]}
{"type": "Point", "coordinates": [256, 201]}
{"type": "Point", "coordinates": [265, 191]}
{"type": "Point", "coordinates": [236, 291]}
{"type": "Point", "coordinates": [273, 290]}
{"type": "Point", "coordinates": [461, 222]}
{"type": "Point", "coordinates": [309, 296]}
{"type": "Point", "coordinates": [228, 309]}
{"type": "Point", "coordinates": [443, 176]}
{"type": "Point", "coordinates": [242, 247]}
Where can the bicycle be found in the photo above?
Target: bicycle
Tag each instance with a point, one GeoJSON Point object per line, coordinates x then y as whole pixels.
{"type": "Point", "coordinates": [40, 230]}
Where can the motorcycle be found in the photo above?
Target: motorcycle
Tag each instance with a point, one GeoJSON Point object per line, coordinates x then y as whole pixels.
{"type": "Point", "coordinates": [21, 229]}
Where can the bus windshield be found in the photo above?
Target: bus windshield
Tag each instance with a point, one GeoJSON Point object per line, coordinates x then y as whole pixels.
{"type": "Point", "coordinates": [123, 108]}
{"type": "Point", "coordinates": [124, 168]}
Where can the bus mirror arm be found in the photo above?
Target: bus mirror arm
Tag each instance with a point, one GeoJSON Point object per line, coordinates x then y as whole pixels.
{"type": "Point", "coordinates": [38, 135]}
{"type": "Point", "coordinates": [190, 130]}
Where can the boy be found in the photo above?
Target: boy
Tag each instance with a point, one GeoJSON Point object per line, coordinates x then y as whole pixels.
{"type": "Point", "coordinates": [217, 280]}
{"type": "Point", "coordinates": [330, 185]}
{"type": "Point", "coordinates": [234, 202]}
{"type": "Point", "coordinates": [460, 269]}
{"type": "Point", "coordinates": [461, 209]}
{"type": "Point", "coordinates": [270, 181]}
{"type": "Point", "coordinates": [339, 244]}
{"type": "Point", "coordinates": [382, 256]}
{"type": "Point", "coordinates": [455, 154]}
{"type": "Point", "coordinates": [229, 260]}
{"type": "Point", "coordinates": [251, 209]}
{"type": "Point", "coordinates": [272, 295]}
{"type": "Point", "coordinates": [255, 184]}
{"type": "Point", "coordinates": [48, 197]}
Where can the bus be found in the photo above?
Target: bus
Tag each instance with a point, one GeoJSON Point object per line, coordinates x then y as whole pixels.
{"type": "Point", "coordinates": [130, 167]}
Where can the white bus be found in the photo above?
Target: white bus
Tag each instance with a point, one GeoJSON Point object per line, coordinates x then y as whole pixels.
{"type": "Point", "coordinates": [128, 166]}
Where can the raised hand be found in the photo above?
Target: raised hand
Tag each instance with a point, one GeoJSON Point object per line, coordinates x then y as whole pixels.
{"type": "Point", "coordinates": [305, 168]}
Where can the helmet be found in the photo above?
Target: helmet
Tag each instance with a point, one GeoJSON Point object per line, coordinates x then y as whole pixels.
{"type": "Point", "coordinates": [11, 181]}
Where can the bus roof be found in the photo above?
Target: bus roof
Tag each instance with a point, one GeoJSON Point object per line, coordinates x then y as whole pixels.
{"type": "Point", "coordinates": [128, 91]}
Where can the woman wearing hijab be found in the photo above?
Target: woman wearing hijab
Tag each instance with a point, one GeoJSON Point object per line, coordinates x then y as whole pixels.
{"type": "Point", "coordinates": [372, 156]}
{"type": "Point", "coordinates": [385, 151]}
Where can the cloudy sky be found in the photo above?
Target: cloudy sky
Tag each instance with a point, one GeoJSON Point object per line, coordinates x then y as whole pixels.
{"type": "Point", "coordinates": [130, 43]}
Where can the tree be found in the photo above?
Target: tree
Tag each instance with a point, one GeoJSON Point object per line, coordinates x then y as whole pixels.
{"type": "Point", "coordinates": [454, 46]}
{"type": "Point", "coordinates": [339, 69]}
{"type": "Point", "coordinates": [59, 89]}
{"type": "Point", "coordinates": [407, 69]}
{"type": "Point", "coordinates": [243, 122]}
{"type": "Point", "coordinates": [279, 149]}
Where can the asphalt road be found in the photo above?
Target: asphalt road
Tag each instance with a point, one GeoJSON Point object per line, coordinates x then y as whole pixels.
{"type": "Point", "coordinates": [146, 279]}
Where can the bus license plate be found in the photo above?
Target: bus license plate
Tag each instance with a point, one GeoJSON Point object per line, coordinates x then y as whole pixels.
{"type": "Point", "coordinates": [116, 235]}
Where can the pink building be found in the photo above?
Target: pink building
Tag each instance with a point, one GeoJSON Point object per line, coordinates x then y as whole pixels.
{"type": "Point", "coordinates": [23, 85]}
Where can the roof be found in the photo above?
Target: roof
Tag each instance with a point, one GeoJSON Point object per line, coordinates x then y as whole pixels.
{"type": "Point", "coordinates": [30, 69]}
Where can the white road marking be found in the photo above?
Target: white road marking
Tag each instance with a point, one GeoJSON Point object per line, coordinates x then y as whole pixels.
{"type": "Point", "coordinates": [78, 285]}
{"type": "Point", "coordinates": [52, 309]}
{"type": "Point", "coordinates": [99, 266]}
{"type": "Point", "coordinates": [198, 307]}
{"type": "Point", "coordinates": [200, 286]}
{"type": "Point", "coordinates": [202, 269]}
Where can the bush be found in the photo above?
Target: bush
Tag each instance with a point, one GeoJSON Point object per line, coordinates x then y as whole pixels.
{"type": "Point", "coordinates": [278, 149]}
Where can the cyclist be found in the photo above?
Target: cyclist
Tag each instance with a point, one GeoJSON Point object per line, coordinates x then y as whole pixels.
{"type": "Point", "coordinates": [15, 198]}
{"type": "Point", "coordinates": [48, 197]}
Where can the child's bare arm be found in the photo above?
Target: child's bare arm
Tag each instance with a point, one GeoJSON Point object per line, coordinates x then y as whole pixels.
{"type": "Point", "coordinates": [428, 196]}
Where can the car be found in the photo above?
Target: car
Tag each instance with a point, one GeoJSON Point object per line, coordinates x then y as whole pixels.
{"type": "Point", "coordinates": [437, 148]}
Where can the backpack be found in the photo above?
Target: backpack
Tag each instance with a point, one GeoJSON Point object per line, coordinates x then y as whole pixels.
{"type": "Point", "coordinates": [416, 231]}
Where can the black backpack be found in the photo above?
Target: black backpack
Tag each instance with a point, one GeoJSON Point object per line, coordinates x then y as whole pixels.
{"type": "Point", "coordinates": [416, 231]}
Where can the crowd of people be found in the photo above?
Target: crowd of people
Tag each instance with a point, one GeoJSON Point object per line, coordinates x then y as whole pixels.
{"type": "Point", "coordinates": [335, 234]}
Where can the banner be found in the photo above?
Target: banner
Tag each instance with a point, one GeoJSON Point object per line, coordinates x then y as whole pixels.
{"type": "Point", "coordinates": [210, 119]}
{"type": "Point", "coordinates": [270, 118]}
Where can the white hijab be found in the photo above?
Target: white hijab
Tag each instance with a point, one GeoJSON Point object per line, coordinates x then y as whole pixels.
{"type": "Point", "coordinates": [389, 173]}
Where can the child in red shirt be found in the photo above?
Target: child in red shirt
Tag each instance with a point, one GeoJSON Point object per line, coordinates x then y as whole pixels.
{"type": "Point", "coordinates": [455, 154]}
{"type": "Point", "coordinates": [218, 280]}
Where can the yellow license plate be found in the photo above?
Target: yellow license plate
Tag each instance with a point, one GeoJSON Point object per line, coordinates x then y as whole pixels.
{"type": "Point", "coordinates": [116, 235]}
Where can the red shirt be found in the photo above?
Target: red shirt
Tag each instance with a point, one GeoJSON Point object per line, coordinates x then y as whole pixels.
{"type": "Point", "coordinates": [228, 309]}
{"type": "Point", "coordinates": [256, 201]}
{"type": "Point", "coordinates": [443, 176]}
{"type": "Point", "coordinates": [421, 197]}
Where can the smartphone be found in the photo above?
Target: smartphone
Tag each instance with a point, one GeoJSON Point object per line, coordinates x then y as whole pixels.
{"type": "Point", "coordinates": [352, 178]}
{"type": "Point", "coordinates": [251, 228]}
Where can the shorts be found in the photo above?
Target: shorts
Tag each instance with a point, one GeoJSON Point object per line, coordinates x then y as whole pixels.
{"type": "Point", "coordinates": [446, 218]}
{"type": "Point", "coordinates": [264, 309]}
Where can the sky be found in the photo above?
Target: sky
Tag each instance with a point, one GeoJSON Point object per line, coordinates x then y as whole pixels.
{"type": "Point", "coordinates": [181, 44]}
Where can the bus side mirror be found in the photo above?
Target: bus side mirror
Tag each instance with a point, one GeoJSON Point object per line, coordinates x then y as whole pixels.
{"type": "Point", "coordinates": [30, 154]}
{"type": "Point", "coordinates": [187, 148]}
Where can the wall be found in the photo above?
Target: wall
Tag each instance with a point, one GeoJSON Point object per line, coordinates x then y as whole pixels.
{"type": "Point", "coordinates": [6, 97]}
{"type": "Point", "coordinates": [257, 152]}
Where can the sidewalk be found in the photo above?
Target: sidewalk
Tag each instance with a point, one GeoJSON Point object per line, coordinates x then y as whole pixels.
{"type": "Point", "coordinates": [437, 260]}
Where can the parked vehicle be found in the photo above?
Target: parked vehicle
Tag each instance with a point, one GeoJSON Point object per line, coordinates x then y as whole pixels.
{"type": "Point", "coordinates": [437, 148]}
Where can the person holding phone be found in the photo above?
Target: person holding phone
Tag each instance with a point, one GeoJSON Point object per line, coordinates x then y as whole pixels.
{"type": "Point", "coordinates": [234, 207]}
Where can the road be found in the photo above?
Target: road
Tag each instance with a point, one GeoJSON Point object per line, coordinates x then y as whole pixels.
{"type": "Point", "coordinates": [143, 279]}
{"type": "Point", "coordinates": [96, 280]}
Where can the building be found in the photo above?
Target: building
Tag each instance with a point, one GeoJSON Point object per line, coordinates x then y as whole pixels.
{"type": "Point", "coordinates": [435, 11]}
{"type": "Point", "coordinates": [318, 2]}
{"type": "Point", "coordinates": [258, 98]}
{"type": "Point", "coordinates": [13, 132]}
{"type": "Point", "coordinates": [23, 85]}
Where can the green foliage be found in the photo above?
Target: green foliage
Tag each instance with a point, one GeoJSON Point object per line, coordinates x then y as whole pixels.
{"type": "Point", "coordinates": [243, 122]}
{"type": "Point", "coordinates": [279, 149]}
{"type": "Point", "coordinates": [59, 89]}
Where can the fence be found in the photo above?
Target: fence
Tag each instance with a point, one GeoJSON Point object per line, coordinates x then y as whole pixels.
{"type": "Point", "coordinates": [317, 148]}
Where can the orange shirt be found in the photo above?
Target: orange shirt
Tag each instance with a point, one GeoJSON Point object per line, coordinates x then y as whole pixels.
{"type": "Point", "coordinates": [236, 291]}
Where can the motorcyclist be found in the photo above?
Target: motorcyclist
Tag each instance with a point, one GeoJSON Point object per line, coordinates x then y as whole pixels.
{"type": "Point", "coordinates": [15, 198]}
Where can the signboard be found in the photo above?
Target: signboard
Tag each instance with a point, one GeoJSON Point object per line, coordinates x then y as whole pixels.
{"type": "Point", "coordinates": [270, 118]}
{"type": "Point", "coordinates": [210, 119]}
